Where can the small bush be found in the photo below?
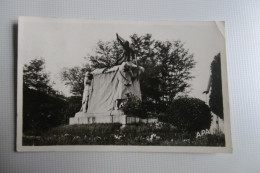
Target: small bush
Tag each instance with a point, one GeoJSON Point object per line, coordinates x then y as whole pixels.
{"type": "Point", "coordinates": [134, 107]}
{"type": "Point", "coordinates": [189, 115]}
{"type": "Point", "coordinates": [42, 111]}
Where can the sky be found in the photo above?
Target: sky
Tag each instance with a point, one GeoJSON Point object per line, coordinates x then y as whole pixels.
{"type": "Point", "coordinates": [64, 43]}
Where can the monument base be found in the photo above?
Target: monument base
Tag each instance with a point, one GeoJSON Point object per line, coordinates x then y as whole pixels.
{"type": "Point", "coordinates": [115, 116]}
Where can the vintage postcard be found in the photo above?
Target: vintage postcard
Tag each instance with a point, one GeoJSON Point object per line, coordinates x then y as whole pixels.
{"type": "Point", "coordinates": [138, 86]}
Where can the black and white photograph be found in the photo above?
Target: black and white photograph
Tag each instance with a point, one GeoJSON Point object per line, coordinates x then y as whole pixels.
{"type": "Point", "coordinates": [108, 85]}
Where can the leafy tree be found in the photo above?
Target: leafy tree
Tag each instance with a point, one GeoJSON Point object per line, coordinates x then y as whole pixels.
{"type": "Point", "coordinates": [216, 98]}
{"type": "Point", "coordinates": [43, 107]}
{"type": "Point", "coordinates": [189, 114]}
{"type": "Point", "coordinates": [35, 77]}
{"type": "Point", "coordinates": [74, 77]}
{"type": "Point", "coordinates": [150, 81]}
{"type": "Point", "coordinates": [175, 64]}
{"type": "Point", "coordinates": [106, 54]}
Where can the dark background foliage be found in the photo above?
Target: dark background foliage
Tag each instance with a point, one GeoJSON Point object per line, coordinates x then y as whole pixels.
{"type": "Point", "coordinates": [44, 107]}
{"type": "Point", "coordinates": [74, 77]}
{"type": "Point", "coordinates": [41, 111]}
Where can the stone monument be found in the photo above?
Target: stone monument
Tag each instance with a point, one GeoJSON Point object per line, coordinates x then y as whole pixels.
{"type": "Point", "coordinates": [105, 91]}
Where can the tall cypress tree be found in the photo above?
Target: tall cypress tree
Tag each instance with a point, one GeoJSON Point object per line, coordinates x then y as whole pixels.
{"type": "Point", "coordinates": [216, 98]}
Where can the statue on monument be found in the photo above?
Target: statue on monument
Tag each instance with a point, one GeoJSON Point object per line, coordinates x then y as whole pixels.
{"type": "Point", "coordinates": [128, 51]}
{"type": "Point", "coordinates": [127, 57]}
{"type": "Point", "coordinates": [87, 82]}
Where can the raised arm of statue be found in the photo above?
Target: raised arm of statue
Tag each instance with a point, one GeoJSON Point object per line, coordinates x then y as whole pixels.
{"type": "Point", "coordinates": [120, 39]}
{"type": "Point", "coordinates": [128, 50]}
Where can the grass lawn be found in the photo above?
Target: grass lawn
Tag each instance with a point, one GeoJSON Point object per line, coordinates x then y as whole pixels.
{"type": "Point", "coordinates": [115, 134]}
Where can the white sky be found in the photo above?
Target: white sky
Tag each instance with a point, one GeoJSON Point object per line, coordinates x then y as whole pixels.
{"type": "Point", "coordinates": [65, 43]}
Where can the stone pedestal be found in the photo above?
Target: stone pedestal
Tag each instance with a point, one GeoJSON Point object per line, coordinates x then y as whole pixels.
{"type": "Point", "coordinates": [115, 116]}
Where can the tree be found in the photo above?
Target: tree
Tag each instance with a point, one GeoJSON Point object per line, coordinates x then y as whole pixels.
{"type": "Point", "coordinates": [43, 107]}
{"type": "Point", "coordinates": [35, 77]}
{"type": "Point", "coordinates": [74, 77]}
{"type": "Point", "coordinates": [189, 114]}
{"type": "Point", "coordinates": [175, 64]}
{"type": "Point", "coordinates": [216, 98]}
{"type": "Point", "coordinates": [106, 54]}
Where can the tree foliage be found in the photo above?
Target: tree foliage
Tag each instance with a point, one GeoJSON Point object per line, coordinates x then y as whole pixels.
{"type": "Point", "coordinates": [43, 107]}
{"type": "Point", "coordinates": [189, 114]}
{"type": "Point", "coordinates": [106, 54]}
{"type": "Point", "coordinates": [35, 77]}
{"type": "Point", "coordinates": [74, 77]}
{"type": "Point", "coordinates": [216, 98]}
{"type": "Point", "coordinates": [42, 111]}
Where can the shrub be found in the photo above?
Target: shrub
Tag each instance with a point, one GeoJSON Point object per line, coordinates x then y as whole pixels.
{"type": "Point", "coordinates": [189, 114]}
{"type": "Point", "coordinates": [41, 111]}
{"type": "Point", "coordinates": [134, 106]}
